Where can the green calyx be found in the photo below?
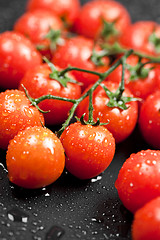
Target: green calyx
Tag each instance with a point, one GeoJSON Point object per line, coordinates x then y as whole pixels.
{"type": "Point", "coordinates": [107, 51]}
{"type": "Point", "coordinates": [93, 123]}
{"type": "Point", "coordinates": [155, 41]}
{"type": "Point", "coordinates": [63, 79]}
{"type": "Point", "coordinates": [55, 39]}
{"type": "Point", "coordinates": [33, 101]}
{"type": "Point", "coordinates": [138, 71]}
{"type": "Point", "coordinates": [108, 30]}
{"type": "Point", "coordinates": [97, 56]}
{"type": "Point", "coordinates": [116, 99]}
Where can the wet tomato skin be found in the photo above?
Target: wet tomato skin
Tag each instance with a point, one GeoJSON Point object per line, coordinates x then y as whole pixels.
{"type": "Point", "coordinates": [65, 9]}
{"type": "Point", "coordinates": [121, 123]}
{"type": "Point", "coordinates": [140, 87]}
{"type": "Point", "coordinates": [138, 35]}
{"type": "Point", "coordinates": [17, 55]}
{"type": "Point", "coordinates": [146, 223]}
{"type": "Point", "coordinates": [77, 52]}
{"type": "Point", "coordinates": [35, 158]}
{"type": "Point", "coordinates": [16, 113]}
{"type": "Point", "coordinates": [138, 179]}
{"type": "Point", "coordinates": [38, 83]}
{"type": "Point", "coordinates": [149, 120]}
{"type": "Point", "coordinates": [89, 150]}
{"type": "Point", "coordinates": [89, 21]}
{"type": "Point", "coordinates": [36, 25]}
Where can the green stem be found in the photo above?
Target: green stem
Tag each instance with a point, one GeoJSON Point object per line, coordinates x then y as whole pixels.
{"type": "Point", "coordinates": [89, 93]}
{"type": "Point", "coordinates": [121, 86]}
{"type": "Point", "coordinates": [49, 96]}
{"type": "Point", "coordinates": [70, 68]}
{"type": "Point", "coordinates": [90, 117]}
{"type": "Point", "coordinates": [94, 86]}
{"type": "Point", "coordinates": [143, 55]}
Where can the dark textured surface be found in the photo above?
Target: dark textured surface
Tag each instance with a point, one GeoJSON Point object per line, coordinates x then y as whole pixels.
{"type": "Point", "coordinates": [69, 208]}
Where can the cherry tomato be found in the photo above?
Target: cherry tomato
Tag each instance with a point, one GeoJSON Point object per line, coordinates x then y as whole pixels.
{"type": "Point", "coordinates": [17, 55]}
{"type": "Point", "coordinates": [16, 113]}
{"type": "Point", "coordinates": [121, 123]}
{"type": "Point", "coordinates": [149, 120]}
{"type": "Point", "coordinates": [141, 84]}
{"type": "Point", "coordinates": [77, 52]}
{"type": "Point", "coordinates": [90, 19]}
{"type": "Point", "coordinates": [36, 25]}
{"type": "Point", "coordinates": [66, 9]}
{"type": "Point", "coordinates": [89, 150]}
{"type": "Point", "coordinates": [142, 36]}
{"type": "Point", "coordinates": [38, 83]}
{"type": "Point", "coordinates": [146, 223]}
{"type": "Point", "coordinates": [35, 158]}
{"type": "Point", "coordinates": [138, 179]}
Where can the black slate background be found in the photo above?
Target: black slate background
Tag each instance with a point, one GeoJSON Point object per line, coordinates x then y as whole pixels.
{"type": "Point", "coordinates": [70, 209]}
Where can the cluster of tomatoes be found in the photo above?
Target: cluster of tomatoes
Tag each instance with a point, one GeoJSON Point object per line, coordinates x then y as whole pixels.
{"type": "Point", "coordinates": [40, 89]}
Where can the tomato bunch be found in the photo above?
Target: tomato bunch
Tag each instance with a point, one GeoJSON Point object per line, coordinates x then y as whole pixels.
{"type": "Point", "coordinates": [62, 62]}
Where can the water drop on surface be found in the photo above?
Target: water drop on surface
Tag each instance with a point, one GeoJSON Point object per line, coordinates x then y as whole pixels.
{"type": "Point", "coordinates": [55, 233]}
{"type": "Point", "coordinates": [17, 215]}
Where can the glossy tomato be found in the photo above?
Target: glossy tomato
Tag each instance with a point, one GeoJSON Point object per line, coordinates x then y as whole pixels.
{"type": "Point", "coordinates": [37, 26]}
{"type": "Point", "coordinates": [121, 123]}
{"type": "Point", "coordinates": [16, 113]}
{"type": "Point", "coordinates": [35, 158]}
{"type": "Point", "coordinates": [138, 180]}
{"type": "Point", "coordinates": [17, 55]}
{"type": "Point", "coordinates": [65, 9]}
{"type": "Point", "coordinates": [146, 223]}
{"type": "Point", "coordinates": [38, 83]}
{"type": "Point", "coordinates": [140, 82]}
{"type": "Point", "coordinates": [77, 52]}
{"type": "Point", "coordinates": [89, 150]}
{"type": "Point", "coordinates": [149, 120]}
{"type": "Point", "coordinates": [142, 36]}
{"type": "Point", "coordinates": [102, 18]}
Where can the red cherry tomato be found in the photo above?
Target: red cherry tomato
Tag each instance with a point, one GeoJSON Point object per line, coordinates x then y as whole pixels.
{"type": "Point", "coordinates": [140, 86]}
{"type": "Point", "coordinates": [38, 83]}
{"type": "Point", "coordinates": [146, 224]}
{"type": "Point", "coordinates": [17, 55]}
{"type": "Point", "coordinates": [121, 122]}
{"type": "Point", "coordinates": [65, 9]}
{"type": "Point", "coordinates": [77, 52]}
{"type": "Point", "coordinates": [149, 119]}
{"type": "Point", "coordinates": [35, 158]}
{"type": "Point", "coordinates": [16, 113]}
{"type": "Point", "coordinates": [89, 150]}
{"type": "Point", "coordinates": [139, 179]}
{"type": "Point", "coordinates": [90, 19]}
{"type": "Point", "coordinates": [36, 25]}
{"type": "Point", "coordinates": [142, 36]}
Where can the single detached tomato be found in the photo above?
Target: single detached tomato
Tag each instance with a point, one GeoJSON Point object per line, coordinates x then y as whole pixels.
{"type": "Point", "coordinates": [89, 150]}
{"type": "Point", "coordinates": [141, 82]}
{"type": "Point", "coordinates": [102, 18]}
{"type": "Point", "coordinates": [142, 36]}
{"type": "Point", "coordinates": [16, 113]}
{"type": "Point", "coordinates": [77, 52]}
{"type": "Point", "coordinates": [149, 119]}
{"type": "Point", "coordinates": [138, 180]}
{"type": "Point", "coordinates": [35, 158]}
{"type": "Point", "coordinates": [121, 122]}
{"type": "Point", "coordinates": [146, 223]}
{"type": "Point", "coordinates": [66, 9]}
{"type": "Point", "coordinates": [17, 55]}
{"type": "Point", "coordinates": [38, 83]}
